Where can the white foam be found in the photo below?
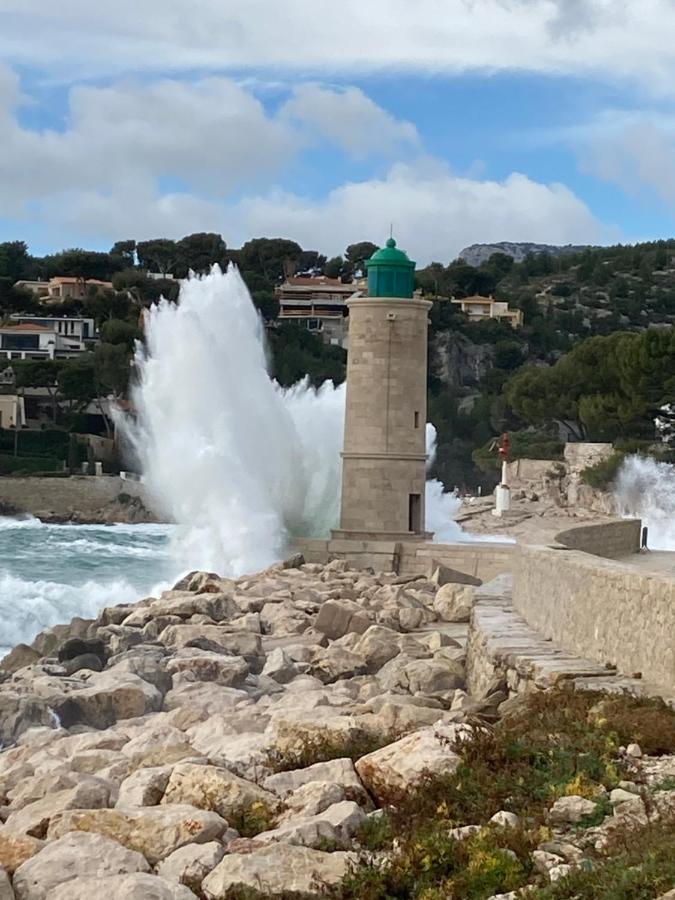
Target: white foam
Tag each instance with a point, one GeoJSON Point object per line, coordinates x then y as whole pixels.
{"type": "Point", "coordinates": [645, 489]}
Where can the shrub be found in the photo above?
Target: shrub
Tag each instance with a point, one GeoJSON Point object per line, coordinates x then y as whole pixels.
{"type": "Point", "coordinates": [28, 465]}
{"type": "Point", "coordinates": [255, 818]}
{"type": "Point", "coordinates": [602, 475]}
{"type": "Point", "coordinates": [552, 744]}
{"type": "Point", "coordinates": [524, 445]}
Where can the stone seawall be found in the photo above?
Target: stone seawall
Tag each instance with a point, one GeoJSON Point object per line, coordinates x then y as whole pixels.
{"type": "Point", "coordinates": [611, 540]}
{"type": "Point", "coordinates": [83, 497]}
{"type": "Point", "coordinates": [600, 609]}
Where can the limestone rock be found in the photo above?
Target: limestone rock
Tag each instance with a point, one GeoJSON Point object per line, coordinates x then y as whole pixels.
{"type": "Point", "coordinates": [311, 799]}
{"type": "Point", "coordinates": [191, 864]}
{"type": "Point", "coordinates": [6, 891]}
{"type": "Point", "coordinates": [145, 787]}
{"type": "Point", "coordinates": [18, 657]}
{"type": "Point", "coordinates": [74, 856]}
{"type": "Point", "coordinates": [335, 825]}
{"type": "Point", "coordinates": [239, 643]}
{"type": "Point", "coordinates": [122, 887]}
{"type": "Point", "coordinates": [108, 697]}
{"type": "Point", "coordinates": [34, 819]}
{"type": "Point", "coordinates": [339, 617]}
{"type": "Point", "coordinates": [85, 661]}
{"type": "Point", "coordinates": [442, 575]}
{"type": "Point", "coordinates": [377, 646]}
{"type": "Point", "coordinates": [505, 819]}
{"type": "Point", "coordinates": [154, 831]}
{"type": "Point", "coordinates": [569, 810]}
{"type": "Point", "coordinates": [544, 861]}
{"type": "Point", "coordinates": [211, 788]}
{"type": "Point", "coordinates": [279, 667]}
{"type": "Point", "coordinates": [276, 868]}
{"type": "Point", "coordinates": [15, 849]}
{"type": "Point", "coordinates": [398, 766]}
{"type": "Point", "coordinates": [337, 772]}
{"type": "Point", "coordinates": [454, 603]}
{"type": "Point", "coordinates": [202, 665]}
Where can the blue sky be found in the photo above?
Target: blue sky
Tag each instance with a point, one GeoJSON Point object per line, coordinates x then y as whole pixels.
{"type": "Point", "coordinates": [460, 121]}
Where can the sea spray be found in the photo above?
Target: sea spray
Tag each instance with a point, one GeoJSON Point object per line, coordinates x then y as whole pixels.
{"type": "Point", "coordinates": [240, 464]}
{"type": "Point", "coordinates": [645, 489]}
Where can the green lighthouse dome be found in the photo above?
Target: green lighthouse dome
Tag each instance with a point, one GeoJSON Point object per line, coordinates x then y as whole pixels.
{"type": "Point", "coordinates": [390, 272]}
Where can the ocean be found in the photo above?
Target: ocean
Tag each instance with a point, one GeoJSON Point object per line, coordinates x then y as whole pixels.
{"type": "Point", "coordinates": [51, 573]}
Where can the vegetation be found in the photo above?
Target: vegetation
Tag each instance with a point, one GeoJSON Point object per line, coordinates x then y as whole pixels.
{"type": "Point", "coordinates": [594, 359]}
{"type": "Point", "coordinates": [325, 746]}
{"type": "Point", "coordinates": [602, 475]}
{"type": "Point", "coordinates": [551, 745]}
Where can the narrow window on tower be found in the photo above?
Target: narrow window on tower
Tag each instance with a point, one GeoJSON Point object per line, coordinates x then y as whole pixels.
{"type": "Point", "coordinates": [417, 419]}
{"type": "Point", "coordinates": [415, 513]}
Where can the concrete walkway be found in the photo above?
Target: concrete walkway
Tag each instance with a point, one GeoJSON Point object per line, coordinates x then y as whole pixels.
{"type": "Point", "coordinates": [653, 562]}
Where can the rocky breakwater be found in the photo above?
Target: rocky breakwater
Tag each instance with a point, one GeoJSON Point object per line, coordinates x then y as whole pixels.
{"type": "Point", "coordinates": [228, 735]}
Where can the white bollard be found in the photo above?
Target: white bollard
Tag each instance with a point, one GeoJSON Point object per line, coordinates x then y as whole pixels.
{"type": "Point", "coordinates": [502, 500]}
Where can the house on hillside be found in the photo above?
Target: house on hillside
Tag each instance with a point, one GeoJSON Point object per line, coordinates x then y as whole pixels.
{"type": "Point", "coordinates": [479, 308]}
{"type": "Point", "coordinates": [41, 337]}
{"type": "Point", "coordinates": [319, 304]}
{"type": "Point", "coordinates": [61, 288]}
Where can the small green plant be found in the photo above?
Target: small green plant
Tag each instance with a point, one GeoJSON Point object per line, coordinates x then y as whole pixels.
{"type": "Point", "coordinates": [322, 747]}
{"type": "Point", "coordinates": [602, 475]}
{"type": "Point", "coordinates": [254, 818]}
{"type": "Point", "coordinates": [375, 833]}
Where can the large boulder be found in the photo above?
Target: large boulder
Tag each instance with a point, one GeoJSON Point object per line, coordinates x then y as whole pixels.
{"type": "Point", "coordinates": [340, 772]}
{"type": "Point", "coordinates": [34, 818]}
{"type": "Point", "coordinates": [107, 697]}
{"type": "Point", "coordinates": [155, 831]}
{"type": "Point", "coordinates": [18, 657]}
{"type": "Point", "coordinates": [191, 864]}
{"type": "Point", "coordinates": [203, 665]}
{"type": "Point", "coordinates": [123, 887]}
{"type": "Point", "coordinates": [394, 769]}
{"type": "Point", "coordinates": [144, 787]}
{"type": "Point", "coordinates": [376, 646]}
{"type": "Point", "coordinates": [275, 869]}
{"type": "Point", "coordinates": [74, 856]}
{"type": "Point", "coordinates": [335, 825]}
{"type": "Point", "coordinates": [212, 788]}
{"type": "Point", "coordinates": [339, 617]}
{"type": "Point", "coordinates": [453, 603]}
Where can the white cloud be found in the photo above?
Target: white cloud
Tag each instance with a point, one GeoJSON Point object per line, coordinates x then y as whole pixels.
{"type": "Point", "coordinates": [634, 150]}
{"type": "Point", "coordinates": [605, 38]}
{"type": "Point", "coordinates": [167, 158]}
{"type": "Point", "coordinates": [434, 213]}
{"type": "Point", "coordinates": [349, 119]}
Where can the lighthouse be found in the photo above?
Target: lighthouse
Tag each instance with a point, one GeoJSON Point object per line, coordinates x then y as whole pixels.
{"type": "Point", "coordinates": [384, 453]}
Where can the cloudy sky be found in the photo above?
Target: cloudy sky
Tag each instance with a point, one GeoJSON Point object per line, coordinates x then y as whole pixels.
{"type": "Point", "coordinates": [460, 121]}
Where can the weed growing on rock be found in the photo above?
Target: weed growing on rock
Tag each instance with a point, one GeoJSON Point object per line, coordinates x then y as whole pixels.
{"type": "Point", "coordinates": [255, 818]}
{"type": "Point", "coordinates": [641, 869]}
{"type": "Point", "coordinates": [551, 745]}
{"type": "Point", "coordinates": [316, 748]}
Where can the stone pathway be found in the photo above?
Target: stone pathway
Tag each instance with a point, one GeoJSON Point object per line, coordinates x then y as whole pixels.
{"type": "Point", "coordinates": [501, 645]}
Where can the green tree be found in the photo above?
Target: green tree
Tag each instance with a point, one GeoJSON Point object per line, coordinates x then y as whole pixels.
{"type": "Point", "coordinates": [126, 250]}
{"type": "Point", "coordinates": [358, 253]}
{"type": "Point", "coordinates": [333, 267]}
{"type": "Point", "coordinates": [157, 255]}
{"type": "Point", "coordinates": [269, 257]}
{"type": "Point", "coordinates": [105, 305]}
{"type": "Point", "coordinates": [14, 260]}
{"type": "Point", "coordinates": [198, 252]}
{"type": "Point", "coordinates": [117, 331]}
{"type": "Point", "coordinates": [83, 264]}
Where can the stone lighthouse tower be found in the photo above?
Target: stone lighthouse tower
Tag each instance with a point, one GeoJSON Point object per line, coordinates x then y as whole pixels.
{"type": "Point", "coordinates": [384, 454]}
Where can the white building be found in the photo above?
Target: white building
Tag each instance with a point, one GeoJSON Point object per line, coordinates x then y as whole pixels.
{"type": "Point", "coordinates": [38, 337]}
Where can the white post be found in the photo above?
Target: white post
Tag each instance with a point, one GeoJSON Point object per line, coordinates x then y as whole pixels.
{"type": "Point", "coordinates": [502, 495]}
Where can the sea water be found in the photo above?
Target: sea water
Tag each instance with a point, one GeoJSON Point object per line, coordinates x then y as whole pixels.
{"type": "Point", "coordinates": [51, 573]}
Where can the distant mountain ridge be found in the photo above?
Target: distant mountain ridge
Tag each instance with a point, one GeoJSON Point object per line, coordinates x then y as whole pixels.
{"type": "Point", "coordinates": [477, 254]}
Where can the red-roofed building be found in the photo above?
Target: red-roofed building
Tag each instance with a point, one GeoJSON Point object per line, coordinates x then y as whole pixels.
{"type": "Point", "coordinates": [64, 287]}
{"type": "Point", "coordinates": [319, 304]}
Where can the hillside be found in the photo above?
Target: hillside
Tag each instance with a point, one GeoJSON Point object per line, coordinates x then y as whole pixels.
{"type": "Point", "coordinates": [477, 254]}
